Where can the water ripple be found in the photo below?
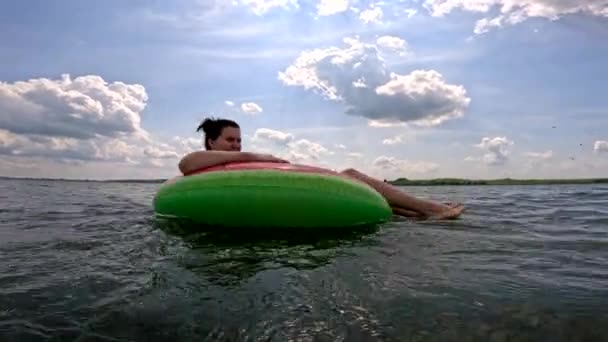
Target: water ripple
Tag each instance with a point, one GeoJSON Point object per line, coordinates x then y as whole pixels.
{"type": "Point", "coordinates": [87, 261]}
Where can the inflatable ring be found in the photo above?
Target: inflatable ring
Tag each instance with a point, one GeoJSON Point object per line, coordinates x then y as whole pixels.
{"type": "Point", "coordinates": [265, 194]}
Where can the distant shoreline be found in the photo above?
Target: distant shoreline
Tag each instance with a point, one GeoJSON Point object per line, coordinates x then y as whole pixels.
{"type": "Point", "coordinates": [399, 181]}
{"type": "Point", "coordinates": [503, 181]}
{"type": "Point", "coordinates": [153, 181]}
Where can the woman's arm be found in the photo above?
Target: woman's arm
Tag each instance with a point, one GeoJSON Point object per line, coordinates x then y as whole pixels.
{"type": "Point", "coordinates": [203, 159]}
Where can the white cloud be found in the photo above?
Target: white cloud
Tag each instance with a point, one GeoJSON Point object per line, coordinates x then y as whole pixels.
{"type": "Point", "coordinates": [307, 149]}
{"type": "Point", "coordinates": [371, 15]}
{"type": "Point", "coordinates": [158, 153]}
{"type": "Point", "coordinates": [410, 12]}
{"type": "Point", "coordinates": [385, 123]}
{"type": "Point", "coordinates": [429, 98]}
{"type": "Point", "coordinates": [404, 135]}
{"type": "Point", "coordinates": [392, 141]}
{"type": "Point", "coordinates": [331, 7]}
{"type": "Point", "coordinates": [600, 146]}
{"type": "Point", "coordinates": [285, 145]}
{"type": "Point", "coordinates": [229, 103]}
{"type": "Point", "coordinates": [21, 145]}
{"type": "Point", "coordinates": [360, 83]}
{"type": "Point", "coordinates": [251, 108]}
{"type": "Point", "coordinates": [440, 8]}
{"type": "Point", "coordinates": [405, 166]}
{"type": "Point", "coordinates": [79, 121]}
{"type": "Point", "coordinates": [83, 108]}
{"type": "Point", "coordinates": [62, 148]}
{"type": "Point", "coordinates": [421, 97]}
{"type": "Point", "coordinates": [537, 160]}
{"type": "Point", "coordinates": [540, 155]}
{"type": "Point", "coordinates": [261, 7]}
{"type": "Point", "coordinates": [498, 150]}
{"type": "Point", "coordinates": [187, 145]}
{"type": "Point", "coordinates": [485, 25]}
{"type": "Point", "coordinates": [277, 137]}
{"type": "Point", "coordinates": [392, 43]}
{"type": "Point", "coordinates": [516, 11]}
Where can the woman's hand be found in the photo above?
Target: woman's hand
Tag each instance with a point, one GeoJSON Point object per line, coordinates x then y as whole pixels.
{"type": "Point", "coordinates": [203, 159]}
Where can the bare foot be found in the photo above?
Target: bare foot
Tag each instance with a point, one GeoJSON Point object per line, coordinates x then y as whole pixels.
{"type": "Point", "coordinates": [452, 211]}
{"type": "Point", "coordinates": [447, 211]}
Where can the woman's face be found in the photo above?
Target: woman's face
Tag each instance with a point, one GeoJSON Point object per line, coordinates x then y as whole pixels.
{"type": "Point", "coordinates": [229, 140]}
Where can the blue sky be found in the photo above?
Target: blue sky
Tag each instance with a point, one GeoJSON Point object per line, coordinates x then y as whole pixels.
{"type": "Point", "coordinates": [405, 88]}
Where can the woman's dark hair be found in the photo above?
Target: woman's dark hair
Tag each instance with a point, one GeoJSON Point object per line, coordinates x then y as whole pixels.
{"type": "Point", "coordinates": [213, 128]}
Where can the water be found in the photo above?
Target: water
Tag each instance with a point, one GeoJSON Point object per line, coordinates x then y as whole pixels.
{"type": "Point", "coordinates": [86, 261]}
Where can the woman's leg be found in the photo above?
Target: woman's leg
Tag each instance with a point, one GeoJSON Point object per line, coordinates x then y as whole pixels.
{"type": "Point", "coordinates": [399, 199]}
{"type": "Point", "coordinates": [404, 212]}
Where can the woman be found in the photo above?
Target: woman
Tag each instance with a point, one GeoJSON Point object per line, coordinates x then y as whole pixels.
{"type": "Point", "coordinates": [223, 145]}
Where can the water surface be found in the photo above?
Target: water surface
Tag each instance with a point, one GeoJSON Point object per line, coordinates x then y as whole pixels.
{"type": "Point", "coordinates": [86, 261]}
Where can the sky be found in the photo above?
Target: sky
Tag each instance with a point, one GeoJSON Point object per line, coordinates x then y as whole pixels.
{"type": "Point", "coordinates": [405, 88]}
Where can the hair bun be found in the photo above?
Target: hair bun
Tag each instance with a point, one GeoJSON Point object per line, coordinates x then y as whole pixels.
{"type": "Point", "coordinates": [207, 125]}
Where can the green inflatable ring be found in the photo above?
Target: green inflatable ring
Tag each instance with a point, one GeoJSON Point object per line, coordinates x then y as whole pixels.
{"type": "Point", "coordinates": [270, 195]}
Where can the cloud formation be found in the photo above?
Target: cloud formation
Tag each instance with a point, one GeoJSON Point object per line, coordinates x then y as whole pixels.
{"type": "Point", "coordinates": [271, 135]}
{"type": "Point", "coordinates": [302, 150]}
{"type": "Point", "coordinates": [251, 108]}
{"type": "Point", "coordinates": [391, 42]}
{"type": "Point", "coordinates": [331, 7]}
{"type": "Point", "coordinates": [497, 148]}
{"type": "Point", "coordinates": [405, 166]}
{"type": "Point", "coordinates": [600, 146]}
{"type": "Point", "coordinates": [371, 15]}
{"type": "Point", "coordinates": [509, 12]}
{"type": "Point", "coordinates": [261, 7]}
{"type": "Point", "coordinates": [540, 155]}
{"type": "Point", "coordinates": [82, 108]}
{"type": "Point", "coordinates": [516, 11]}
{"type": "Point", "coordinates": [392, 141]}
{"type": "Point", "coordinates": [61, 148]}
{"type": "Point", "coordinates": [358, 77]}
{"type": "Point", "coordinates": [287, 146]}
{"type": "Point", "coordinates": [78, 120]}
